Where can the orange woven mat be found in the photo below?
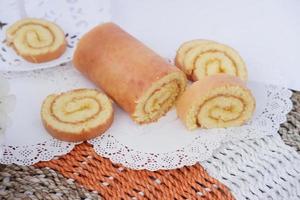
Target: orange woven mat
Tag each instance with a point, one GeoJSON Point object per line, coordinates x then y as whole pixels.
{"type": "Point", "coordinates": [113, 181]}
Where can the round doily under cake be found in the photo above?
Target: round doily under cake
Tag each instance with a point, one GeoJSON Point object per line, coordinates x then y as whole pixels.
{"type": "Point", "coordinates": [162, 145]}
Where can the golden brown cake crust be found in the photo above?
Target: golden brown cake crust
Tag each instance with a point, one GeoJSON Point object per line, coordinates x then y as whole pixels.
{"type": "Point", "coordinates": [46, 57]}
{"type": "Point", "coordinates": [82, 136]}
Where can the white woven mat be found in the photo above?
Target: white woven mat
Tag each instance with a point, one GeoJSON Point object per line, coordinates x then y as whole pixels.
{"type": "Point", "coordinates": [258, 169]}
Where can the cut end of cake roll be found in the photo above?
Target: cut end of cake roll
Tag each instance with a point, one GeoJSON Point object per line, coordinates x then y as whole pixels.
{"type": "Point", "coordinates": [36, 40]}
{"type": "Point", "coordinates": [216, 101]}
{"type": "Point", "coordinates": [159, 98]}
{"type": "Point", "coordinates": [200, 58]}
{"type": "Point", "coordinates": [77, 115]}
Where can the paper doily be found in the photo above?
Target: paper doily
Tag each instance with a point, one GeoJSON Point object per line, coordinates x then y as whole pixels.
{"type": "Point", "coordinates": [73, 16]}
{"type": "Point", "coordinates": [162, 145]}
{"type": "Point", "coordinates": [265, 123]}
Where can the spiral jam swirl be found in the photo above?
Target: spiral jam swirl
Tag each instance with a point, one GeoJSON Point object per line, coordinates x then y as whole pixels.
{"type": "Point", "coordinates": [221, 108]}
{"type": "Point", "coordinates": [159, 98]}
{"type": "Point", "coordinates": [216, 101]}
{"type": "Point", "coordinates": [200, 58]}
{"type": "Point", "coordinates": [76, 112]}
{"type": "Point", "coordinates": [36, 40]}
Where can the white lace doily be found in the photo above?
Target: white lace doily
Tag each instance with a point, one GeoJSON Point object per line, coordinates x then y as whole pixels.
{"type": "Point", "coordinates": [162, 145]}
{"type": "Point", "coordinates": [75, 17]}
{"type": "Point", "coordinates": [168, 145]}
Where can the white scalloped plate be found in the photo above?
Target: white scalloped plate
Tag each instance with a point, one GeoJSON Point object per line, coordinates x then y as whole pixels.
{"type": "Point", "coordinates": [162, 145]}
{"type": "Point", "coordinates": [74, 17]}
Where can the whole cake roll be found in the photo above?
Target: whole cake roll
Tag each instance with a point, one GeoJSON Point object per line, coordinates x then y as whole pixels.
{"type": "Point", "coordinates": [216, 101]}
{"type": "Point", "coordinates": [36, 40]}
{"type": "Point", "coordinates": [200, 58]}
{"type": "Point", "coordinates": [139, 80]}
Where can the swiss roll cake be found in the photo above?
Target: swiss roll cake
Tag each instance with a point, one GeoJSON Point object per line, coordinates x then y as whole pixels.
{"type": "Point", "coordinates": [200, 58]}
{"type": "Point", "coordinates": [140, 81]}
{"type": "Point", "coordinates": [77, 115]}
{"type": "Point", "coordinates": [216, 101]}
{"type": "Point", "coordinates": [36, 40]}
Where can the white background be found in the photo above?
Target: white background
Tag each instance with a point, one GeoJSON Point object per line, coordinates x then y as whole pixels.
{"type": "Point", "coordinates": [265, 32]}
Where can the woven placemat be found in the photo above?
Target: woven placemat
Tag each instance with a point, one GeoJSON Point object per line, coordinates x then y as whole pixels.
{"type": "Point", "coordinates": [28, 182]}
{"type": "Point", "coordinates": [85, 166]}
{"type": "Point", "coordinates": [113, 181]}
